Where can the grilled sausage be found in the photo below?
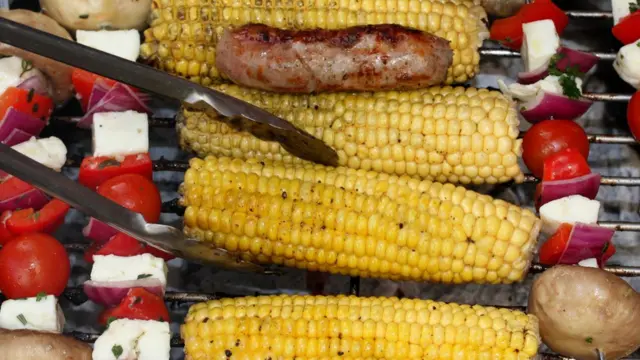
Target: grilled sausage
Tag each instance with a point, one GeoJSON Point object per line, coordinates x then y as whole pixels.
{"type": "Point", "coordinates": [362, 58]}
{"type": "Point", "coordinates": [59, 74]}
{"type": "Point", "coordinates": [35, 345]}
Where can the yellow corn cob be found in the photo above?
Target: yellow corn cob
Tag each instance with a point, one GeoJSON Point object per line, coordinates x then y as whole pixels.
{"type": "Point", "coordinates": [348, 327]}
{"type": "Point", "coordinates": [356, 223]}
{"type": "Point", "coordinates": [446, 134]}
{"type": "Point", "coordinates": [183, 33]}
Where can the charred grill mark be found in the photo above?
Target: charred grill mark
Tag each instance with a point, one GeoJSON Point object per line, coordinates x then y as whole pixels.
{"type": "Point", "coordinates": [386, 34]}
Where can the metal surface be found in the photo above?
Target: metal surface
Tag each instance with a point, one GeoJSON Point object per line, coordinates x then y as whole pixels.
{"type": "Point", "coordinates": [89, 202]}
{"type": "Point", "coordinates": [515, 54]}
{"type": "Point", "coordinates": [235, 112]}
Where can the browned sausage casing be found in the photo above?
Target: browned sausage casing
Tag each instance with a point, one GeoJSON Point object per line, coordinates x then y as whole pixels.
{"type": "Point", "coordinates": [361, 58]}
{"type": "Point", "coordinates": [35, 345]}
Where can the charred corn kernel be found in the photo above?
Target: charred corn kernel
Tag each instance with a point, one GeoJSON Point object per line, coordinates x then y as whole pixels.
{"type": "Point", "coordinates": [356, 222]}
{"type": "Point", "coordinates": [349, 327]}
{"type": "Point", "coordinates": [367, 132]}
{"type": "Point", "coordinates": [183, 34]}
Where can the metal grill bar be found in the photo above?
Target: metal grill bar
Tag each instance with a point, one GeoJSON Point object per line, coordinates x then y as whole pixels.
{"type": "Point", "coordinates": [577, 14]}
{"type": "Point", "coordinates": [604, 56]}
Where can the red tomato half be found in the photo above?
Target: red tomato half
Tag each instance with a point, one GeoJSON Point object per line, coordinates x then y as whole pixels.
{"type": "Point", "coordinates": [31, 264]}
{"type": "Point", "coordinates": [564, 165]}
{"type": "Point", "coordinates": [136, 193]}
{"type": "Point", "coordinates": [628, 29]}
{"type": "Point", "coordinates": [633, 115]}
{"type": "Point", "coordinates": [549, 137]}
{"type": "Point", "coordinates": [96, 170]}
{"type": "Point", "coordinates": [26, 102]}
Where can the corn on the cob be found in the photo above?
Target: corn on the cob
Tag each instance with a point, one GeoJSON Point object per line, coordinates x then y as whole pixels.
{"type": "Point", "coordinates": [341, 327]}
{"type": "Point", "coordinates": [446, 134]}
{"type": "Point", "coordinates": [183, 33]}
{"type": "Point", "coordinates": [356, 223]}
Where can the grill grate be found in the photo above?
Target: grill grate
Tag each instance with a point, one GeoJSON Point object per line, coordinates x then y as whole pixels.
{"type": "Point", "coordinates": [76, 296]}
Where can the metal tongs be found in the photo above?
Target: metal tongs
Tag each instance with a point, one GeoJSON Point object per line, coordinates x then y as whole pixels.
{"type": "Point", "coordinates": [163, 237]}
{"type": "Point", "coordinates": [236, 113]}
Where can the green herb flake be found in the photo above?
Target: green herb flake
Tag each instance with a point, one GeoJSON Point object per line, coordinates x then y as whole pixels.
{"type": "Point", "coordinates": [35, 108]}
{"type": "Point", "coordinates": [589, 340]}
{"type": "Point", "coordinates": [111, 319]}
{"type": "Point", "coordinates": [41, 296]}
{"type": "Point", "coordinates": [108, 163]}
{"type": "Point", "coordinates": [22, 319]}
{"type": "Point", "coordinates": [144, 276]}
{"type": "Point", "coordinates": [569, 87]}
{"type": "Point", "coordinates": [117, 350]}
{"type": "Point", "coordinates": [26, 66]}
{"type": "Point", "coordinates": [35, 216]}
{"type": "Point", "coordinates": [84, 16]}
{"type": "Point", "coordinates": [30, 95]}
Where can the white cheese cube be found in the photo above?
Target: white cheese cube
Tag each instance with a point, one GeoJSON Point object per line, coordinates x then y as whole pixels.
{"type": "Point", "coordinates": [571, 209]}
{"type": "Point", "coordinates": [50, 151]}
{"type": "Point", "coordinates": [121, 43]}
{"type": "Point", "coordinates": [120, 133]}
{"type": "Point", "coordinates": [13, 70]}
{"type": "Point", "coordinates": [592, 262]}
{"type": "Point", "coordinates": [627, 64]}
{"type": "Point", "coordinates": [540, 43]}
{"type": "Point", "coordinates": [120, 268]}
{"type": "Point", "coordinates": [134, 340]}
{"type": "Point", "coordinates": [620, 9]}
{"type": "Point", "coordinates": [40, 313]}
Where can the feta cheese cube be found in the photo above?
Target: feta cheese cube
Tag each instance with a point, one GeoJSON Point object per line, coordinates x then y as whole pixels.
{"type": "Point", "coordinates": [540, 43]}
{"type": "Point", "coordinates": [13, 70]}
{"type": "Point", "coordinates": [627, 64]}
{"type": "Point", "coordinates": [571, 209]}
{"type": "Point", "coordinates": [121, 43]}
{"type": "Point", "coordinates": [120, 268]}
{"type": "Point", "coordinates": [134, 340]}
{"type": "Point", "coordinates": [120, 133]}
{"type": "Point", "coordinates": [50, 151]}
{"type": "Point", "coordinates": [620, 9]}
{"type": "Point", "coordinates": [42, 313]}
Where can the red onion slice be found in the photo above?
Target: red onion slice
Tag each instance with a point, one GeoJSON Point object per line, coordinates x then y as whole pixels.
{"type": "Point", "coordinates": [569, 57]}
{"type": "Point", "coordinates": [38, 83]}
{"type": "Point", "coordinates": [99, 91]}
{"type": "Point", "coordinates": [14, 119]}
{"type": "Point", "coordinates": [585, 242]}
{"type": "Point", "coordinates": [112, 292]}
{"type": "Point", "coordinates": [119, 98]}
{"type": "Point", "coordinates": [552, 106]}
{"type": "Point", "coordinates": [586, 185]}
{"type": "Point", "coordinates": [33, 198]}
{"type": "Point", "coordinates": [16, 137]}
{"type": "Point", "coordinates": [98, 231]}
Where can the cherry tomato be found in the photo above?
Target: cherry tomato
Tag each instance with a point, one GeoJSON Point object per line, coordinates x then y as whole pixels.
{"type": "Point", "coordinates": [96, 170]}
{"type": "Point", "coordinates": [552, 250]}
{"type": "Point", "coordinates": [27, 102]}
{"type": "Point", "coordinates": [31, 264]}
{"type": "Point", "coordinates": [139, 304]}
{"type": "Point", "coordinates": [628, 29]}
{"type": "Point", "coordinates": [549, 137]}
{"type": "Point", "coordinates": [564, 165]}
{"type": "Point", "coordinates": [136, 193]}
{"type": "Point", "coordinates": [84, 81]}
{"type": "Point", "coordinates": [11, 187]}
{"type": "Point", "coordinates": [5, 234]}
{"type": "Point", "coordinates": [633, 115]}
